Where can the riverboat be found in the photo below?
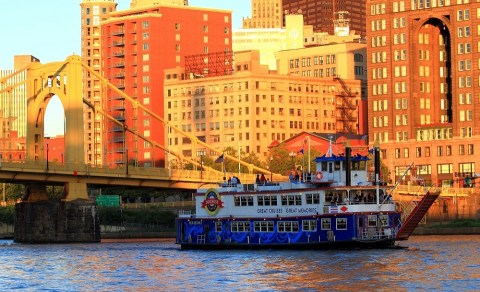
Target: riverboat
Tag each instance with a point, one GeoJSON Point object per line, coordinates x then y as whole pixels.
{"type": "Point", "coordinates": [337, 206]}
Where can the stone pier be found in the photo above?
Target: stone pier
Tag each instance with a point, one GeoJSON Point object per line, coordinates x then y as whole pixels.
{"type": "Point", "coordinates": [57, 222]}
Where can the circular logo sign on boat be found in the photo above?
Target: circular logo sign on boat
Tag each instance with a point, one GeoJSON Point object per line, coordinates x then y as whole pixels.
{"type": "Point", "coordinates": [212, 202]}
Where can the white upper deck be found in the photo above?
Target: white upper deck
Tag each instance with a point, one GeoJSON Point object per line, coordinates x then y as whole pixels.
{"type": "Point", "coordinates": [324, 192]}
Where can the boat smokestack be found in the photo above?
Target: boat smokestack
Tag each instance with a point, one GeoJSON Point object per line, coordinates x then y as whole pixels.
{"type": "Point", "coordinates": [348, 166]}
{"type": "Point", "coordinates": [377, 165]}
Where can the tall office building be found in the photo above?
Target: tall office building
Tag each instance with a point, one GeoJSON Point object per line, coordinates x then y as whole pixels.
{"type": "Point", "coordinates": [138, 44]}
{"type": "Point", "coordinates": [13, 96]}
{"type": "Point", "coordinates": [265, 14]}
{"type": "Point", "coordinates": [322, 13]}
{"type": "Point", "coordinates": [93, 12]}
{"type": "Point", "coordinates": [424, 104]}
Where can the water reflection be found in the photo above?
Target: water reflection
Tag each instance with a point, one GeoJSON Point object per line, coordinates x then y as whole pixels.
{"type": "Point", "coordinates": [445, 263]}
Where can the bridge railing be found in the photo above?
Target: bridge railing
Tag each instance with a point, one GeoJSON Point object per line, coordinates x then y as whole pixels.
{"type": "Point", "coordinates": [445, 191]}
{"type": "Point", "coordinates": [52, 168]}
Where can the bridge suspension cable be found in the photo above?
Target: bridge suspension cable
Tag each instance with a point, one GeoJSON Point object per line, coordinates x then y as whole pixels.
{"type": "Point", "coordinates": [137, 105]}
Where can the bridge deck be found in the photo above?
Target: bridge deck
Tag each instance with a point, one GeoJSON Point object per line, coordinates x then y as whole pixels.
{"type": "Point", "coordinates": [104, 176]}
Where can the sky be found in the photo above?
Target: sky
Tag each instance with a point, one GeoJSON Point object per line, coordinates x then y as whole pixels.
{"type": "Point", "coordinates": [50, 31]}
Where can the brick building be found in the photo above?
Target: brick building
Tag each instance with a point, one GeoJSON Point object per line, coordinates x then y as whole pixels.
{"type": "Point", "coordinates": [138, 44]}
{"type": "Point", "coordinates": [252, 108]}
{"type": "Point", "coordinates": [424, 89]}
{"type": "Point", "coordinates": [322, 13]}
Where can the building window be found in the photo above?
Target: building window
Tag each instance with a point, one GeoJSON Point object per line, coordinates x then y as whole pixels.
{"type": "Point", "coordinates": [448, 150]}
{"type": "Point", "coordinates": [444, 168]}
{"type": "Point", "coordinates": [419, 151]}
{"type": "Point", "coordinates": [470, 149]}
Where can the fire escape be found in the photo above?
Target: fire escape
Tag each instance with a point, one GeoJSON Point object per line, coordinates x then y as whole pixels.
{"type": "Point", "coordinates": [347, 111]}
{"type": "Point", "coordinates": [117, 102]}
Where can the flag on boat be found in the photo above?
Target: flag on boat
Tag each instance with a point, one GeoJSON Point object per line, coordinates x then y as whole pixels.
{"type": "Point", "coordinates": [301, 151]}
{"type": "Point", "coordinates": [219, 159]}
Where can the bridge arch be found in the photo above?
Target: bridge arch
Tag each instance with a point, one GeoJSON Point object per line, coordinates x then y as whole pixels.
{"type": "Point", "coordinates": [63, 79]}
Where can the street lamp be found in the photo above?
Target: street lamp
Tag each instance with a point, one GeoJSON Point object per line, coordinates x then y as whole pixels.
{"type": "Point", "coordinates": [271, 171]}
{"type": "Point", "coordinates": [292, 155]}
{"type": "Point", "coordinates": [201, 165]}
{"type": "Point", "coordinates": [47, 138]}
{"type": "Point", "coordinates": [126, 161]}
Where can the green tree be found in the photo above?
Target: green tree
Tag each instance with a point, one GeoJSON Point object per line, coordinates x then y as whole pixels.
{"type": "Point", "coordinates": [281, 162]}
{"type": "Point", "coordinates": [7, 215]}
{"type": "Point", "coordinates": [13, 192]}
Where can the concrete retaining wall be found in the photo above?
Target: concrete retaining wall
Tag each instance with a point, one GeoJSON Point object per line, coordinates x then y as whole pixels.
{"type": "Point", "coordinates": [56, 222]}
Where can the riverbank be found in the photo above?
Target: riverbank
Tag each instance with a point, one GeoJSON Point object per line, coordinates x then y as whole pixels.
{"type": "Point", "coordinates": [425, 230]}
{"type": "Point", "coordinates": [420, 230]}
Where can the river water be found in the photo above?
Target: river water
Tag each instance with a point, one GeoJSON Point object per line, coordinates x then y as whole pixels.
{"type": "Point", "coordinates": [441, 263]}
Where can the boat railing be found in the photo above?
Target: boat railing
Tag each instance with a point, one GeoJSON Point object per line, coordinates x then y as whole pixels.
{"type": "Point", "coordinates": [185, 213]}
{"type": "Point", "coordinates": [377, 233]}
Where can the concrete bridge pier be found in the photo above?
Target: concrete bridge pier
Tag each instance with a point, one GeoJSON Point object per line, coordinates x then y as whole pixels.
{"type": "Point", "coordinates": [73, 219]}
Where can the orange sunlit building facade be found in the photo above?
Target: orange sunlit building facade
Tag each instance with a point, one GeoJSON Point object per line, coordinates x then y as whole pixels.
{"type": "Point", "coordinates": [251, 109]}
{"type": "Point", "coordinates": [424, 107]}
{"type": "Point", "coordinates": [93, 12]}
{"type": "Point", "coordinates": [138, 44]}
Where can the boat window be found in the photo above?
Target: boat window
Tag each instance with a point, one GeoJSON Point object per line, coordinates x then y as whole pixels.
{"type": "Point", "coordinates": [370, 197]}
{"type": "Point", "coordinates": [328, 196]}
{"type": "Point", "coordinates": [312, 198]}
{"type": "Point", "coordinates": [384, 220]}
{"type": "Point", "coordinates": [240, 226]}
{"type": "Point", "coordinates": [218, 226]}
{"type": "Point", "coordinates": [372, 220]}
{"type": "Point", "coordinates": [341, 224]}
{"type": "Point", "coordinates": [287, 226]}
{"type": "Point", "coordinates": [267, 200]}
{"type": "Point", "coordinates": [360, 222]}
{"type": "Point", "coordinates": [263, 226]}
{"type": "Point", "coordinates": [324, 166]}
{"type": "Point", "coordinates": [291, 200]}
{"type": "Point", "coordinates": [326, 224]}
{"type": "Point", "coordinates": [309, 225]}
{"type": "Point", "coordinates": [243, 201]}
{"type": "Point", "coordinates": [359, 165]}
{"type": "Point", "coordinates": [337, 165]}
{"type": "Point", "coordinates": [334, 197]}
{"type": "Point", "coordinates": [356, 196]}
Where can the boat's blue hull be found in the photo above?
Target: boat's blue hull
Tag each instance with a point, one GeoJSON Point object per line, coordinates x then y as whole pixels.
{"type": "Point", "coordinates": [311, 232]}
